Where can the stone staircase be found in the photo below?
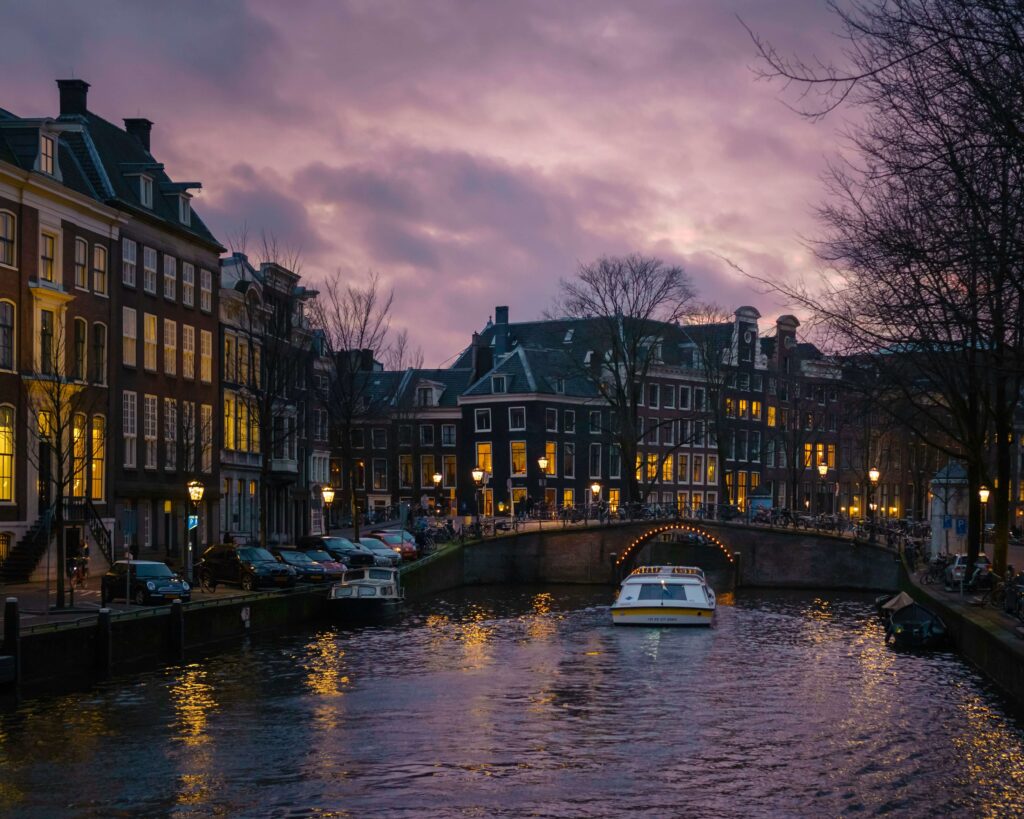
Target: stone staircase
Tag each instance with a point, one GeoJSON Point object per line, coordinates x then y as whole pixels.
{"type": "Point", "coordinates": [25, 556]}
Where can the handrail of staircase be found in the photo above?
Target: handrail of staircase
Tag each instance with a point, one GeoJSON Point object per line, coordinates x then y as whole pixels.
{"type": "Point", "coordinates": [99, 532]}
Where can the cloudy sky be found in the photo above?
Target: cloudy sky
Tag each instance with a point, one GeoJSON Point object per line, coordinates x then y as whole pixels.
{"type": "Point", "coordinates": [471, 152]}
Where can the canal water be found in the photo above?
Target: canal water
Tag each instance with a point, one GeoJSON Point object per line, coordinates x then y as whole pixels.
{"type": "Point", "coordinates": [519, 701]}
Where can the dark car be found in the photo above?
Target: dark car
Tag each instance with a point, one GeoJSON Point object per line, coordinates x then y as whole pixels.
{"type": "Point", "coordinates": [247, 566]}
{"type": "Point", "coordinates": [398, 539]}
{"type": "Point", "coordinates": [335, 568]}
{"type": "Point", "coordinates": [340, 548]}
{"type": "Point", "coordinates": [145, 582]}
{"type": "Point", "coordinates": [306, 569]}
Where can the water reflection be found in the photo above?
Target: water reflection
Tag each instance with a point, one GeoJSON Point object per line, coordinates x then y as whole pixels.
{"type": "Point", "coordinates": [508, 702]}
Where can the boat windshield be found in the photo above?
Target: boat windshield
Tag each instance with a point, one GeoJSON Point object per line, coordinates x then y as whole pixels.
{"type": "Point", "coordinates": [671, 591]}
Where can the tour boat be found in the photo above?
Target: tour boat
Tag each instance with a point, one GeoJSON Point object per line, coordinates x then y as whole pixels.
{"type": "Point", "coordinates": [368, 589]}
{"type": "Point", "coordinates": [665, 596]}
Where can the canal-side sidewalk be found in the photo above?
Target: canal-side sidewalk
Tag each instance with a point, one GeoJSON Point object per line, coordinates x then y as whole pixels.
{"type": "Point", "coordinates": [987, 636]}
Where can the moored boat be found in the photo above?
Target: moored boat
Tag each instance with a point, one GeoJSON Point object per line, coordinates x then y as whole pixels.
{"type": "Point", "coordinates": [911, 625]}
{"type": "Point", "coordinates": [367, 589]}
{"type": "Point", "coordinates": [665, 596]}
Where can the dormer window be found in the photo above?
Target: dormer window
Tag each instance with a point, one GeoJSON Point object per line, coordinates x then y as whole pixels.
{"type": "Point", "coordinates": [146, 190]}
{"type": "Point", "coordinates": [560, 385]}
{"type": "Point", "coordinates": [568, 335]}
{"type": "Point", "coordinates": [498, 384]}
{"type": "Point", "coordinates": [47, 151]}
{"type": "Point", "coordinates": [185, 209]}
{"type": "Point", "coordinates": [425, 396]}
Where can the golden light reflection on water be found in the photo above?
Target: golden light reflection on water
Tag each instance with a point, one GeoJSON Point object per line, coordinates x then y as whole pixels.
{"type": "Point", "coordinates": [193, 701]}
{"type": "Point", "coordinates": [325, 666]}
{"type": "Point", "coordinates": [541, 623]}
{"type": "Point", "coordinates": [992, 757]}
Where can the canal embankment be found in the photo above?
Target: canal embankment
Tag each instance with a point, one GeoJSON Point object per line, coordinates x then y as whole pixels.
{"type": "Point", "coordinates": [986, 637]}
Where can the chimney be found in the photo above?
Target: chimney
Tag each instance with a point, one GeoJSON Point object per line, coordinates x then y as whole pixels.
{"type": "Point", "coordinates": [73, 96]}
{"type": "Point", "coordinates": [481, 357]}
{"type": "Point", "coordinates": [366, 360]}
{"type": "Point", "coordinates": [139, 127]}
{"type": "Point", "coordinates": [500, 330]}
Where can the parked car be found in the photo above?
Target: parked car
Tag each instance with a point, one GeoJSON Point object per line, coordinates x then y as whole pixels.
{"type": "Point", "coordinates": [335, 568]}
{"type": "Point", "coordinates": [247, 566]}
{"type": "Point", "coordinates": [398, 539]}
{"type": "Point", "coordinates": [341, 548]}
{"type": "Point", "coordinates": [386, 555]}
{"type": "Point", "coordinates": [955, 570]}
{"type": "Point", "coordinates": [145, 582]}
{"type": "Point", "coordinates": [306, 569]}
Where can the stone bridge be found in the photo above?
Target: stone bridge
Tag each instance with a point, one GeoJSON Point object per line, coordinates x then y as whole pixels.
{"type": "Point", "coordinates": [733, 555]}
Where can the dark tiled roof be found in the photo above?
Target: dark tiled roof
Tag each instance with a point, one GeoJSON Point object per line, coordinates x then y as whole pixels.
{"type": "Point", "coordinates": [533, 370]}
{"type": "Point", "coordinates": [454, 382]}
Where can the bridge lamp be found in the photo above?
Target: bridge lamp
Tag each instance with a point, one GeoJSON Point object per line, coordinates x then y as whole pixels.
{"type": "Point", "coordinates": [823, 469]}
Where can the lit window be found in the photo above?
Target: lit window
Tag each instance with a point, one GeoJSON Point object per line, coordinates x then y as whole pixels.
{"type": "Point", "coordinates": [7, 245]}
{"type": "Point", "coordinates": [99, 269]}
{"type": "Point", "coordinates": [47, 257]}
{"type": "Point", "coordinates": [79, 442]}
{"type": "Point", "coordinates": [99, 457]}
{"type": "Point", "coordinates": [149, 341]}
{"type": "Point", "coordinates": [128, 258]}
{"type": "Point", "coordinates": [483, 456]}
{"type": "Point", "coordinates": [6, 453]}
{"type": "Point", "coordinates": [129, 336]}
{"type": "Point", "coordinates": [170, 347]}
{"type": "Point", "coordinates": [205, 356]}
{"type": "Point", "coordinates": [188, 351]}
{"type": "Point", "coordinates": [81, 254]}
{"type": "Point", "coordinates": [47, 148]}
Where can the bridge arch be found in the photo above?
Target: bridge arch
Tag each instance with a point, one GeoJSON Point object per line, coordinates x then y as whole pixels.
{"type": "Point", "coordinates": [625, 560]}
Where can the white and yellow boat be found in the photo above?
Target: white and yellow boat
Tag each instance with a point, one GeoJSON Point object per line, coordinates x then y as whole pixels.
{"type": "Point", "coordinates": [665, 596]}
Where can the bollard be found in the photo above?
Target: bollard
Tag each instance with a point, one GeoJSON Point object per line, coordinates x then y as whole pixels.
{"type": "Point", "coordinates": [12, 637]}
{"type": "Point", "coordinates": [104, 648]}
{"type": "Point", "coordinates": [736, 572]}
{"type": "Point", "coordinates": [177, 641]}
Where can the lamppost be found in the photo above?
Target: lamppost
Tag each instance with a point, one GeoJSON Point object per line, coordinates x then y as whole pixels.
{"type": "Point", "coordinates": [542, 462]}
{"type": "Point", "coordinates": [478, 479]}
{"type": "Point", "coordinates": [437, 477]}
{"type": "Point", "coordinates": [595, 494]}
{"type": "Point", "coordinates": [195, 494]}
{"type": "Point", "coordinates": [873, 475]}
{"type": "Point", "coordinates": [983, 494]}
{"type": "Point", "coordinates": [823, 471]}
{"type": "Point", "coordinates": [327, 491]}
{"type": "Point", "coordinates": [357, 468]}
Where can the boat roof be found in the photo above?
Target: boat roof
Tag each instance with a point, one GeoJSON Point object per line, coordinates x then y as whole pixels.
{"type": "Point", "coordinates": [678, 573]}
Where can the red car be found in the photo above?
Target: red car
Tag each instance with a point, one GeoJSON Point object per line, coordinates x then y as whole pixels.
{"type": "Point", "coordinates": [399, 539]}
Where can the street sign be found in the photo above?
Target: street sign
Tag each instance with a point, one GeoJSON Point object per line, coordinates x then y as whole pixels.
{"type": "Point", "coordinates": [961, 526]}
{"type": "Point", "coordinates": [193, 522]}
{"type": "Point", "coordinates": [947, 522]}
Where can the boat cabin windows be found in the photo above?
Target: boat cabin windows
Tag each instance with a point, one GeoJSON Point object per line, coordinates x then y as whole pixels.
{"type": "Point", "coordinates": [670, 591]}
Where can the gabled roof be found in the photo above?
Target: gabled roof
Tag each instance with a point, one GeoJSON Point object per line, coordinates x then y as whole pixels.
{"type": "Point", "coordinates": [529, 370]}
{"type": "Point", "coordinates": [452, 381]}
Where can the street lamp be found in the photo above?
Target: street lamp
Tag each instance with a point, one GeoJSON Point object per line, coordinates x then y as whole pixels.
{"type": "Point", "coordinates": [823, 471]}
{"type": "Point", "coordinates": [195, 494]}
{"type": "Point", "coordinates": [437, 477]}
{"type": "Point", "coordinates": [873, 475]}
{"type": "Point", "coordinates": [542, 462]}
{"type": "Point", "coordinates": [327, 492]}
{"type": "Point", "coordinates": [983, 494]}
{"type": "Point", "coordinates": [595, 493]}
{"type": "Point", "coordinates": [478, 479]}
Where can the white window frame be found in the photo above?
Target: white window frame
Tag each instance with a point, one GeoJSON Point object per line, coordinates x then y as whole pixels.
{"type": "Point", "coordinates": [188, 284]}
{"type": "Point", "coordinates": [479, 414]}
{"type": "Point", "coordinates": [170, 277]}
{"type": "Point", "coordinates": [170, 347]}
{"type": "Point", "coordinates": [150, 426]}
{"type": "Point", "coordinates": [149, 269]}
{"type": "Point", "coordinates": [129, 337]}
{"type": "Point", "coordinates": [206, 356]}
{"type": "Point", "coordinates": [205, 290]}
{"type": "Point", "coordinates": [150, 344]}
{"type": "Point", "coordinates": [170, 434]}
{"type": "Point", "coordinates": [81, 264]}
{"type": "Point", "coordinates": [129, 424]}
{"type": "Point", "coordinates": [129, 259]}
{"type": "Point", "coordinates": [188, 351]}
{"type": "Point", "coordinates": [146, 190]}
{"type": "Point", "coordinates": [512, 428]}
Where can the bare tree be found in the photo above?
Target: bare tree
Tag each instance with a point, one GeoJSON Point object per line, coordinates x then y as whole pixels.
{"type": "Point", "coordinates": [628, 307]}
{"type": "Point", "coordinates": [355, 321]}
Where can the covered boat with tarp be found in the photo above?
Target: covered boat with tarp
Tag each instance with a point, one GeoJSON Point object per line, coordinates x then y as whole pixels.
{"type": "Point", "coordinates": [911, 625]}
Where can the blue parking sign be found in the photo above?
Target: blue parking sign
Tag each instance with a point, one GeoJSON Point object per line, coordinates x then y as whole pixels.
{"type": "Point", "coordinates": [193, 522]}
{"type": "Point", "coordinates": [947, 522]}
{"type": "Point", "coordinates": [961, 526]}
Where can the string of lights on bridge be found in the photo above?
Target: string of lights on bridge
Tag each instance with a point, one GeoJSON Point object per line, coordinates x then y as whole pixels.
{"type": "Point", "coordinates": [679, 527]}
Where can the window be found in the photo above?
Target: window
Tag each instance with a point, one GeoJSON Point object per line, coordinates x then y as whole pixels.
{"type": "Point", "coordinates": [744, 408]}
{"type": "Point", "coordinates": [47, 257]}
{"type": "Point", "coordinates": [170, 277]}
{"type": "Point", "coordinates": [149, 269]}
{"type": "Point", "coordinates": [170, 434]}
{"type": "Point", "coordinates": [683, 468]}
{"type": "Point", "coordinates": [97, 467]}
{"type": "Point", "coordinates": [755, 410]}
{"type": "Point", "coordinates": [243, 362]}
{"type": "Point", "coordinates": [47, 353]}
{"type": "Point", "coordinates": [771, 415]}
{"type": "Point", "coordinates": [188, 284]}
{"type": "Point", "coordinates": [149, 341]}
{"type": "Point", "coordinates": [99, 269]}
{"type": "Point", "coordinates": [447, 435]}
{"type": "Point", "coordinates": [653, 396]}
{"type": "Point", "coordinates": [666, 469]}
{"type": "Point", "coordinates": [712, 472]}
{"type": "Point", "coordinates": [243, 425]}
{"type": "Point", "coordinates": [595, 460]}
{"type": "Point", "coordinates": [698, 398]}
{"type": "Point", "coordinates": [517, 450]}
{"type": "Point", "coordinates": [188, 351]}
{"type": "Point", "coordinates": [206, 357]}
{"type": "Point", "coordinates": [170, 347]}
{"type": "Point", "coordinates": [516, 418]}
{"type": "Point", "coordinates": [551, 453]}
{"type": "Point", "coordinates": [424, 396]}
{"type": "Point", "coordinates": [755, 446]}
{"type": "Point", "coordinates": [6, 335]}
{"type": "Point", "coordinates": [405, 435]}
{"type": "Point", "coordinates": [146, 191]}
{"type": "Point", "coordinates": [205, 291]}
{"type": "Point", "coordinates": [6, 453]}
{"type": "Point", "coordinates": [483, 456]}
{"type": "Point", "coordinates": [482, 420]}
{"type": "Point", "coordinates": [81, 341]}
{"type": "Point", "coordinates": [81, 257]}
{"type": "Point", "coordinates": [380, 438]}
{"type": "Point", "coordinates": [551, 420]}
{"type": "Point", "coordinates": [128, 259]}
{"type": "Point", "coordinates": [357, 438]}
{"type": "Point", "coordinates": [230, 357]}
{"type": "Point", "coordinates": [449, 471]}
{"type": "Point", "coordinates": [379, 474]}
{"type": "Point", "coordinates": [47, 148]}
{"type": "Point", "coordinates": [7, 245]}
{"type": "Point", "coordinates": [595, 422]}
{"type": "Point", "coordinates": [568, 498]}
{"type": "Point", "coordinates": [206, 435]}
{"type": "Point", "coordinates": [614, 462]}
{"type": "Point", "coordinates": [188, 433]}
{"type": "Point", "coordinates": [149, 429]}
{"type": "Point", "coordinates": [129, 407]}
{"type": "Point", "coordinates": [79, 441]}
{"type": "Point", "coordinates": [569, 420]}
{"type": "Point", "coordinates": [498, 384]}
{"type": "Point", "coordinates": [185, 209]}
{"type": "Point", "coordinates": [426, 435]}
{"type": "Point", "coordinates": [698, 469]}
{"type": "Point", "coordinates": [427, 471]}
{"type": "Point", "coordinates": [560, 385]}
{"type": "Point", "coordinates": [684, 398]}
{"type": "Point", "coordinates": [405, 471]}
